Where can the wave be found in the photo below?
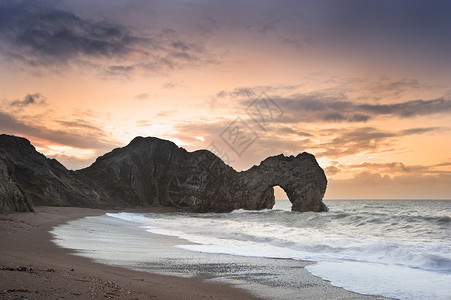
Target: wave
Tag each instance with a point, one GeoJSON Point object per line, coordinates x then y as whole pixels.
{"type": "Point", "coordinates": [411, 239]}
{"type": "Point", "coordinates": [219, 233]}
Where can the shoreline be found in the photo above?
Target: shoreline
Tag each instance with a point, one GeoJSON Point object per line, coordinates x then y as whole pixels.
{"type": "Point", "coordinates": [33, 266]}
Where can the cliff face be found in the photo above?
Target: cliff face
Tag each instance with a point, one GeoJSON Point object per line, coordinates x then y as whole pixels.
{"type": "Point", "coordinates": [12, 197]}
{"type": "Point", "coordinates": [40, 180]}
{"type": "Point", "coordinates": [151, 171]}
{"type": "Point", "coordinates": [155, 172]}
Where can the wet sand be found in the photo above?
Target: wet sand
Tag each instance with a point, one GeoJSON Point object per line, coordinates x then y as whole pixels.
{"type": "Point", "coordinates": [32, 266]}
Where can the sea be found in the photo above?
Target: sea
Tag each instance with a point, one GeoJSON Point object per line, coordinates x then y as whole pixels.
{"type": "Point", "coordinates": [398, 249]}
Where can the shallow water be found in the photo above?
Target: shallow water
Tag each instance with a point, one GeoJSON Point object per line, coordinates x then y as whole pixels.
{"type": "Point", "coordinates": [397, 248]}
{"type": "Point", "coordinates": [122, 243]}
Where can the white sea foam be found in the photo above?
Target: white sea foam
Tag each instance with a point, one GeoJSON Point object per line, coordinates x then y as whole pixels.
{"type": "Point", "coordinates": [383, 279]}
{"type": "Point", "coordinates": [359, 245]}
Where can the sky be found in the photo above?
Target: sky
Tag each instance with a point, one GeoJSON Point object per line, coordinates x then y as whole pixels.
{"type": "Point", "coordinates": [363, 85]}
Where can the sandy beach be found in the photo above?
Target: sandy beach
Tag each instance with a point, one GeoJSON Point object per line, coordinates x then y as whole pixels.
{"type": "Point", "coordinates": [33, 267]}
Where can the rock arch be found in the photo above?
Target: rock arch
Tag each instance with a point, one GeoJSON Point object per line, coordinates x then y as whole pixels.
{"type": "Point", "coordinates": [281, 198]}
{"type": "Point", "coordinates": [299, 176]}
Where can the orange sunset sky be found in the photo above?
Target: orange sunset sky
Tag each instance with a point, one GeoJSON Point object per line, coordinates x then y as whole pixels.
{"type": "Point", "coordinates": [365, 86]}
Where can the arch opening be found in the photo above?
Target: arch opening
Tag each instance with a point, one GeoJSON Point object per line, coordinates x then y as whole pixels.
{"type": "Point", "coordinates": [281, 199]}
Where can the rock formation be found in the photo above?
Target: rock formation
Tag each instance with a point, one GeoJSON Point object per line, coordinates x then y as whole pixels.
{"type": "Point", "coordinates": [43, 181]}
{"type": "Point", "coordinates": [154, 172]}
{"type": "Point", "coordinates": [300, 177]}
{"type": "Point", "coordinates": [12, 198]}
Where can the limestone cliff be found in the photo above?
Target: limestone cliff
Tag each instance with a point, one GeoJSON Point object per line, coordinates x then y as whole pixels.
{"type": "Point", "coordinates": [151, 171]}
{"type": "Point", "coordinates": [12, 197]}
{"type": "Point", "coordinates": [154, 172]}
{"type": "Point", "coordinates": [40, 181]}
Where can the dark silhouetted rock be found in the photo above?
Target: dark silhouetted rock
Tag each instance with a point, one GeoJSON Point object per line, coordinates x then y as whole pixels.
{"type": "Point", "coordinates": [154, 172]}
{"type": "Point", "coordinates": [300, 177]}
{"type": "Point", "coordinates": [40, 180]}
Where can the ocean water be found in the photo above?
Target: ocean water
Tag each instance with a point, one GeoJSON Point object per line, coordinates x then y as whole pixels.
{"type": "Point", "coordinates": [394, 248]}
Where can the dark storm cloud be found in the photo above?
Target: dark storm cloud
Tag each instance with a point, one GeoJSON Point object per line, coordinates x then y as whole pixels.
{"type": "Point", "coordinates": [59, 35]}
{"type": "Point", "coordinates": [39, 35]}
{"type": "Point", "coordinates": [30, 99]}
{"type": "Point", "coordinates": [42, 31]}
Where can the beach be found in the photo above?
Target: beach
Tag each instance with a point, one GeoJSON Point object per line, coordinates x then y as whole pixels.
{"type": "Point", "coordinates": [32, 266]}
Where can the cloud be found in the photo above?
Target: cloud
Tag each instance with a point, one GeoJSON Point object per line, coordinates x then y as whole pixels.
{"type": "Point", "coordinates": [169, 85]}
{"type": "Point", "coordinates": [337, 104]}
{"type": "Point", "coordinates": [30, 99]}
{"type": "Point", "coordinates": [173, 84]}
{"type": "Point", "coordinates": [319, 107]}
{"type": "Point", "coordinates": [335, 117]}
{"type": "Point", "coordinates": [409, 108]}
{"type": "Point", "coordinates": [445, 164]}
{"type": "Point", "coordinates": [289, 130]}
{"type": "Point", "coordinates": [252, 92]}
{"type": "Point", "coordinates": [359, 118]}
{"type": "Point", "coordinates": [369, 185]}
{"type": "Point", "coordinates": [399, 167]}
{"type": "Point", "coordinates": [392, 89]}
{"type": "Point", "coordinates": [390, 30]}
{"type": "Point", "coordinates": [360, 140]}
{"type": "Point", "coordinates": [74, 163]}
{"type": "Point", "coordinates": [166, 113]}
{"type": "Point", "coordinates": [79, 124]}
{"type": "Point", "coordinates": [308, 124]}
{"type": "Point", "coordinates": [419, 130]}
{"type": "Point", "coordinates": [40, 35]}
{"type": "Point", "coordinates": [77, 134]}
{"type": "Point", "coordinates": [142, 96]}
{"type": "Point", "coordinates": [332, 170]}
{"type": "Point", "coordinates": [9, 124]}
{"type": "Point", "coordinates": [143, 123]}
{"type": "Point", "coordinates": [54, 35]}
{"type": "Point", "coordinates": [243, 92]}
{"type": "Point", "coordinates": [302, 114]}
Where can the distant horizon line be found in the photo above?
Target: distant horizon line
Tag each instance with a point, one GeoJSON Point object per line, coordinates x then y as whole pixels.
{"type": "Point", "coordinates": [383, 199]}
